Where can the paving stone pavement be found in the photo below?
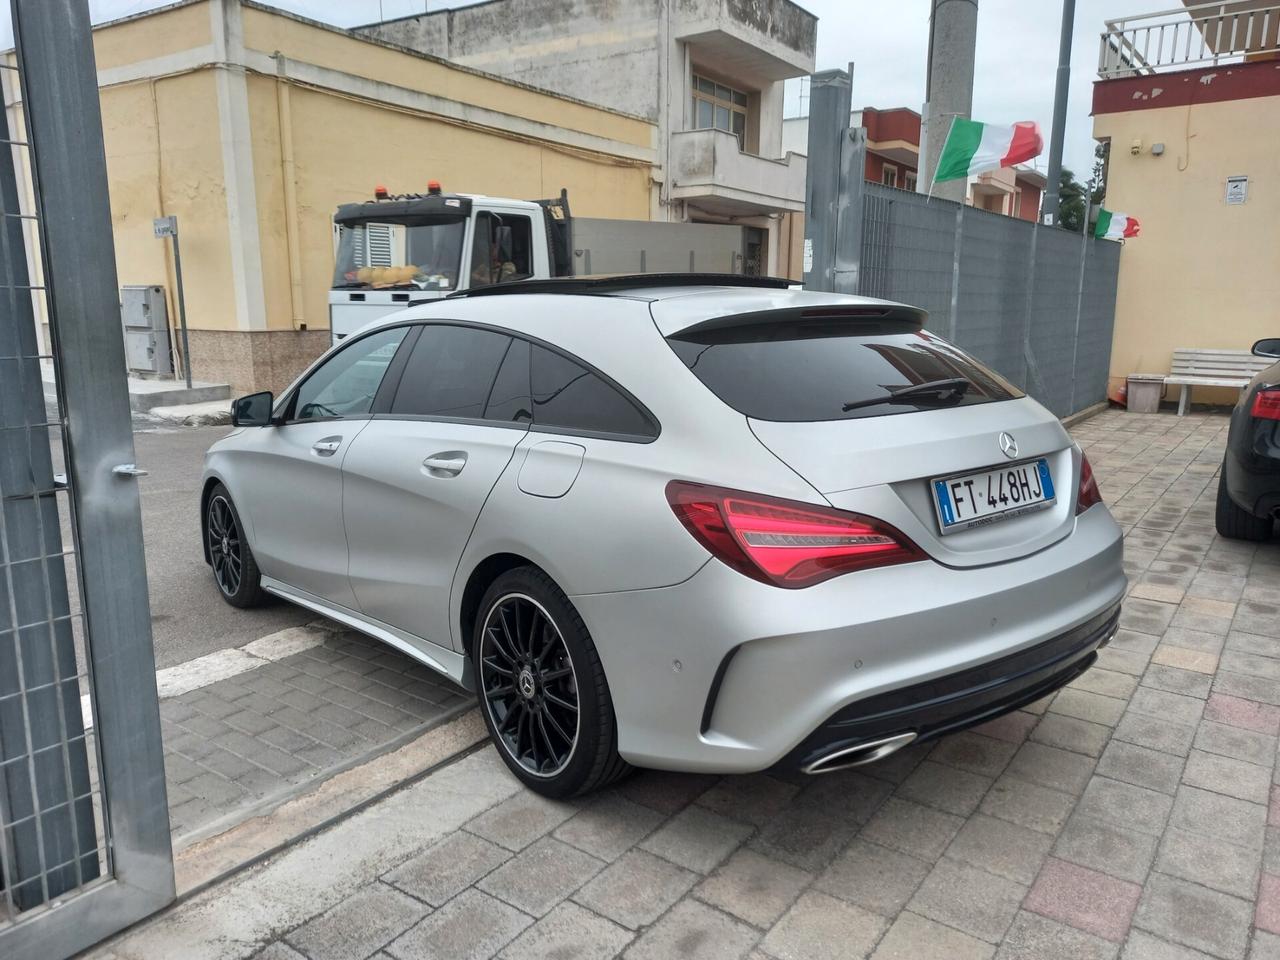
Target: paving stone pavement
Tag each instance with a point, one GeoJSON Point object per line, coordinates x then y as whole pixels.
{"type": "Point", "coordinates": [242, 743]}
{"type": "Point", "coordinates": [1133, 815]}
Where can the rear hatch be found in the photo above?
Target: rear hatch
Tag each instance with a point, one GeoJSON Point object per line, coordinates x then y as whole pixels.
{"type": "Point", "coordinates": [888, 420]}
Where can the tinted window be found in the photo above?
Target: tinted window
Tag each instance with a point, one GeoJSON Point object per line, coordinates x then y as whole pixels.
{"type": "Point", "coordinates": [566, 394]}
{"type": "Point", "coordinates": [345, 385]}
{"type": "Point", "coordinates": [822, 370]}
{"type": "Point", "coordinates": [450, 372]}
{"type": "Point", "coordinates": [509, 398]}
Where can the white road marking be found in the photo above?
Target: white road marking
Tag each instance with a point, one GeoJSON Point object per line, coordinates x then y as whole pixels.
{"type": "Point", "coordinates": [286, 643]}
{"type": "Point", "coordinates": [231, 662]}
{"type": "Point", "coordinates": [212, 667]}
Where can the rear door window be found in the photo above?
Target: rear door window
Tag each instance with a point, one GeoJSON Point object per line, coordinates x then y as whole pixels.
{"type": "Point", "coordinates": [509, 400]}
{"type": "Point", "coordinates": [568, 396]}
{"type": "Point", "coordinates": [450, 372]}
{"type": "Point", "coordinates": [799, 370]}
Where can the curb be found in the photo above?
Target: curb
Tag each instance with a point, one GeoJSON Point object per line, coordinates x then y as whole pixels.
{"type": "Point", "coordinates": [1085, 414]}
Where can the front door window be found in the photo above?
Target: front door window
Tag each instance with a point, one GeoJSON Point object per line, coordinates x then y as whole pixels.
{"type": "Point", "coordinates": [501, 249]}
{"type": "Point", "coordinates": [346, 383]}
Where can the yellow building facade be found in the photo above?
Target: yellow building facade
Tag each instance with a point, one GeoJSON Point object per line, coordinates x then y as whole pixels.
{"type": "Point", "coordinates": [252, 126]}
{"type": "Point", "coordinates": [1205, 270]}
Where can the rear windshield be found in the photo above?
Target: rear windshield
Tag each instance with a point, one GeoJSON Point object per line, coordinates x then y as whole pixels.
{"type": "Point", "coordinates": [822, 370]}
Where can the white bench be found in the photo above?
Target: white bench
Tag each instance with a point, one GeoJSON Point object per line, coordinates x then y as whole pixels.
{"type": "Point", "coordinates": [1212, 368]}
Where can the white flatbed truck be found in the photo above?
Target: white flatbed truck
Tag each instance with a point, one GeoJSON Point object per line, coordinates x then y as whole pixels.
{"type": "Point", "coordinates": [393, 251]}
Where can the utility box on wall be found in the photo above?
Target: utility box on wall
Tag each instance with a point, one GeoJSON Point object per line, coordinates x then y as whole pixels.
{"type": "Point", "coordinates": [146, 330]}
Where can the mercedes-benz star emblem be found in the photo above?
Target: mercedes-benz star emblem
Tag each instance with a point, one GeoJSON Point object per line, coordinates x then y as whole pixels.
{"type": "Point", "coordinates": [1009, 445]}
{"type": "Point", "coordinates": [526, 684]}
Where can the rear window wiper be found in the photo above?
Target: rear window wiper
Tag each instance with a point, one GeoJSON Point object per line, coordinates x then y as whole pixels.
{"type": "Point", "coordinates": [952, 388]}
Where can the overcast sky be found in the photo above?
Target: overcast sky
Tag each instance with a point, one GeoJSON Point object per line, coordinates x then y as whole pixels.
{"type": "Point", "coordinates": [1016, 61]}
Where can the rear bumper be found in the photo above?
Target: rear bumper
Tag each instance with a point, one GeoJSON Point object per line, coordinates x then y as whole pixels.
{"type": "Point", "coordinates": [961, 699]}
{"type": "Point", "coordinates": [721, 673]}
{"type": "Point", "coordinates": [1253, 478]}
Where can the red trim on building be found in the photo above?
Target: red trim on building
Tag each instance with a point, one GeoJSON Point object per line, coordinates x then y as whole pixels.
{"type": "Point", "coordinates": [897, 123]}
{"type": "Point", "coordinates": [1240, 81]}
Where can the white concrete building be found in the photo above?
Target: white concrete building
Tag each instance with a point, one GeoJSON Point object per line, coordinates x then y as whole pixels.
{"type": "Point", "coordinates": [708, 73]}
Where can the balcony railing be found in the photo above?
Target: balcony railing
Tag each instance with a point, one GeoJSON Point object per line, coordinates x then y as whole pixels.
{"type": "Point", "coordinates": [1206, 33]}
{"type": "Point", "coordinates": [710, 167]}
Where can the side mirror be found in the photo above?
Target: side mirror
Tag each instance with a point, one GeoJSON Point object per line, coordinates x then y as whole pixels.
{"type": "Point", "coordinates": [1270, 347]}
{"type": "Point", "coordinates": [253, 410]}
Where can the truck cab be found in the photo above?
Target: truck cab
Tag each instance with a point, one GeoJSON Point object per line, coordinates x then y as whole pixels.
{"type": "Point", "coordinates": [393, 251]}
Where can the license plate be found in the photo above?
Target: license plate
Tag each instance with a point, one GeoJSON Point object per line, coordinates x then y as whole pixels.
{"type": "Point", "coordinates": [976, 499]}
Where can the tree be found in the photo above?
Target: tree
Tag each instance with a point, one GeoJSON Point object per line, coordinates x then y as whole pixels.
{"type": "Point", "coordinates": [1098, 181]}
{"type": "Point", "coordinates": [1072, 207]}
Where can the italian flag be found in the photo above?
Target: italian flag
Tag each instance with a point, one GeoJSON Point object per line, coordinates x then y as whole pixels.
{"type": "Point", "coordinates": [973, 147]}
{"type": "Point", "coordinates": [1115, 226]}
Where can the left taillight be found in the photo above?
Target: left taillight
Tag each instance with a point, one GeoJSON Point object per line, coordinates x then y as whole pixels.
{"type": "Point", "coordinates": [1266, 404]}
{"type": "Point", "coordinates": [1089, 494]}
{"type": "Point", "coordinates": [784, 542]}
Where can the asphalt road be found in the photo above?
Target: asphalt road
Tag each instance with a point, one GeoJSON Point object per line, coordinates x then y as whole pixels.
{"type": "Point", "coordinates": [188, 617]}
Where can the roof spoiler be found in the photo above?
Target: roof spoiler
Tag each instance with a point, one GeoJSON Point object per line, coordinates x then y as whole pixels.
{"type": "Point", "coordinates": [605, 284]}
{"type": "Point", "coordinates": [854, 313]}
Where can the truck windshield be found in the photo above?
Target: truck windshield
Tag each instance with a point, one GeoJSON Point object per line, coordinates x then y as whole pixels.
{"type": "Point", "coordinates": [378, 256]}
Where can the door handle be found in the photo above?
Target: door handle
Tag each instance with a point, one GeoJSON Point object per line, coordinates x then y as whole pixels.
{"type": "Point", "coordinates": [327, 447]}
{"type": "Point", "coordinates": [446, 464]}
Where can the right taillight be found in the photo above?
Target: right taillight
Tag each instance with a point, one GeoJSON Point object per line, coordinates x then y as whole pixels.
{"type": "Point", "coordinates": [784, 542]}
{"type": "Point", "coordinates": [1089, 493]}
{"type": "Point", "coordinates": [1266, 404]}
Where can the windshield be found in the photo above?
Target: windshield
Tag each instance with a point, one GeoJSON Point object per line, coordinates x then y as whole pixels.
{"type": "Point", "coordinates": [382, 256]}
{"type": "Point", "coordinates": [808, 371]}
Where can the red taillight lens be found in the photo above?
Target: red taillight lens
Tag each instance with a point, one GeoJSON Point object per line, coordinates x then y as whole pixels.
{"type": "Point", "coordinates": [1266, 404]}
{"type": "Point", "coordinates": [1089, 493]}
{"type": "Point", "coordinates": [782, 542]}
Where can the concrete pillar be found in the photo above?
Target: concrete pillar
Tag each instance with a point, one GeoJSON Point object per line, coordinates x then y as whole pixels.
{"type": "Point", "coordinates": [949, 87]}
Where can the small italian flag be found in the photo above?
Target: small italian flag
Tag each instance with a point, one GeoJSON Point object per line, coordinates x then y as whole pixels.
{"type": "Point", "coordinates": [973, 147]}
{"type": "Point", "coordinates": [1115, 226]}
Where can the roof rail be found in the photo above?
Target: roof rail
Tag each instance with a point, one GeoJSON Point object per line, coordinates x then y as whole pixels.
{"type": "Point", "coordinates": [614, 283]}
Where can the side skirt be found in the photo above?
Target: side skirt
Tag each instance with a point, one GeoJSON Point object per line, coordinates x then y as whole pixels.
{"type": "Point", "coordinates": [448, 662]}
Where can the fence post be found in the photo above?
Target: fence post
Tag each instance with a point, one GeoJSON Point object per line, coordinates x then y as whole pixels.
{"type": "Point", "coordinates": [1030, 372]}
{"type": "Point", "coordinates": [1075, 340]}
{"type": "Point", "coordinates": [829, 105]}
{"type": "Point", "coordinates": [953, 317]}
{"type": "Point", "coordinates": [54, 42]}
{"type": "Point", "coordinates": [850, 211]}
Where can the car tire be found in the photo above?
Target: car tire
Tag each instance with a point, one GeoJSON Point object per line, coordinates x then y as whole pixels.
{"type": "Point", "coordinates": [1234, 522]}
{"type": "Point", "coordinates": [235, 572]}
{"type": "Point", "coordinates": [534, 659]}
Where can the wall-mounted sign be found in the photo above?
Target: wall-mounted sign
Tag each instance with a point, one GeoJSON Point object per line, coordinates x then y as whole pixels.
{"type": "Point", "coordinates": [165, 226]}
{"type": "Point", "coordinates": [1237, 189]}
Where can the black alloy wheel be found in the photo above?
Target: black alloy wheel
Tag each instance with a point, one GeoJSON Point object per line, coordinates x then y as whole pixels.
{"type": "Point", "coordinates": [234, 569]}
{"type": "Point", "coordinates": [225, 546]}
{"type": "Point", "coordinates": [529, 685]}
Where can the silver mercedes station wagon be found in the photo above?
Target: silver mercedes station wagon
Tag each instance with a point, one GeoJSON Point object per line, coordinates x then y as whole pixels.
{"type": "Point", "coordinates": [685, 522]}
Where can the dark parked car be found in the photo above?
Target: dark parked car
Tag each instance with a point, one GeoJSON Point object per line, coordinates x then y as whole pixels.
{"type": "Point", "coordinates": [1249, 488]}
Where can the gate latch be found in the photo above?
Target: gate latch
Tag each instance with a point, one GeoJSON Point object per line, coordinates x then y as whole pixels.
{"type": "Point", "coordinates": [129, 470]}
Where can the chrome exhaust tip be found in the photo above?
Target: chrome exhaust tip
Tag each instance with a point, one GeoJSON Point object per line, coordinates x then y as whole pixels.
{"type": "Point", "coordinates": [858, 755]}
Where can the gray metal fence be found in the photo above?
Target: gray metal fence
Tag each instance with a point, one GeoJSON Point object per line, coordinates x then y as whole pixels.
{"type": "Point", "coordinates": [1036, 303]}
{"type": "Point", "coordinates": [84, 831]}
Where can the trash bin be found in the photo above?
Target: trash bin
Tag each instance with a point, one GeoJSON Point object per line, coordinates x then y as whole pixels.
{"type": "Point", "coordinates": [1144, 392]}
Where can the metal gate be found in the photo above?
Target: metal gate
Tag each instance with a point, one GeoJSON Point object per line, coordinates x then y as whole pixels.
{"type": "Point", "coordinates": [84, 831]}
